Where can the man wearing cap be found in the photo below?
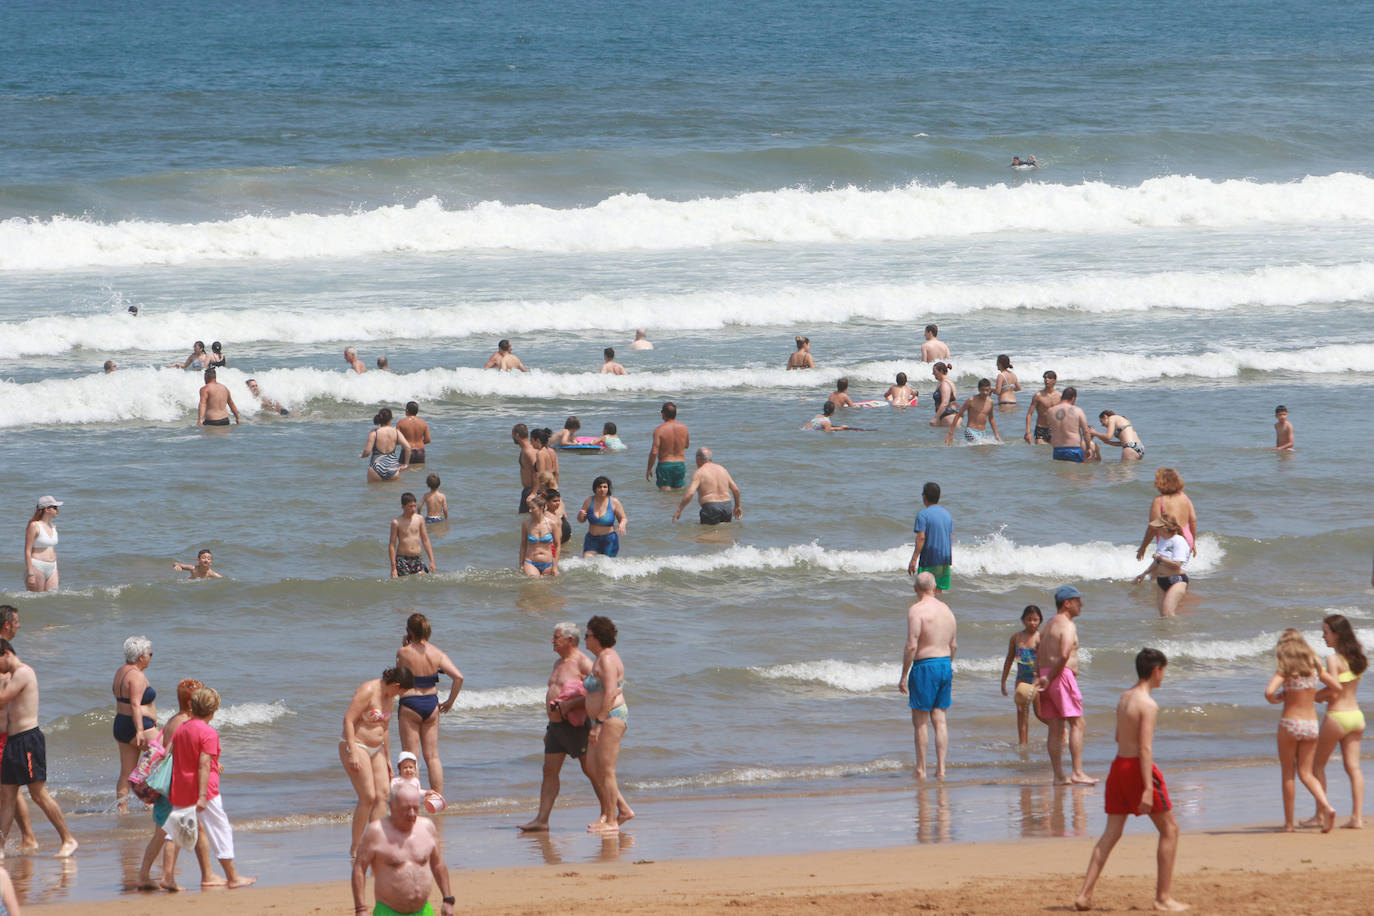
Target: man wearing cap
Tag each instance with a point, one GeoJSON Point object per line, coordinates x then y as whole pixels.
{"type": "Point", "coordinates": [928, 670]}
{"type": "Point", "coordinates": [1056, 658]}
{"type": "Point", "coordinates": [215, 403]}
{"type": "Point", "coordinates": [400, 849]}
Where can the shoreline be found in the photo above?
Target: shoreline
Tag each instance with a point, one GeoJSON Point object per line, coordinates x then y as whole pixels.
{"type": "Point", "coordinates": [1237, 870]}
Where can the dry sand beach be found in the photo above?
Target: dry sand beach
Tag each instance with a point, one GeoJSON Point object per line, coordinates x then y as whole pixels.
{"type": "Point", "coordinates": [1242, 870]}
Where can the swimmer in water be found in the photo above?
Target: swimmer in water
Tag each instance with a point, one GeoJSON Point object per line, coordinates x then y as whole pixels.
{"type": "Point", "coordinates": [979, 411]}
{"type": "Point", "coordinates": [1007, 384]}
{"type": "Point", "coordinates": [840, 397]}
{"type": "Point", "coordinates": [1119, 432]}
{"type": "Point", "coordinates": [435, 504]}
{"type": "Point", "coordinates": [1040, 405]}
{"type": "Point", "coordinates": [1283, 430]}
{"type": "Point", "coordinates": [608, 365]}
{"type": "Point", "coordinates": [900, 394]}
{"type": "Point", "coordinates": [933, 348]}
{"type": "Point", "coordinates": [199, 569]}
{"type": "Point", "coordinates": [568, 434]}
{"type": "Point", "coordinates": [822, 422]}
{"type": "Point", "coordinates": [946, 404]}
{"type": "Point", "coordinates": [802, 358]}
{"type": "Point", "coordinates": [267, 403]}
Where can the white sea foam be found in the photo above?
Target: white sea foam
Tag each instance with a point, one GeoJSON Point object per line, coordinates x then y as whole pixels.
{"type": "Point", "coordinates": [747, 775]}
{"type": "Point", "coordinates": [115, 332]}
{"type": "Point", "coordinates": [1256, 647]}
{"type": "Point", "coordinates": [499, 698]}
{"type": "Point", "coordinates": [241, 714]}
{"type": "Point", "coordinates": [859, 677]}
{"type": "Point", "coordinates": [639, 222]}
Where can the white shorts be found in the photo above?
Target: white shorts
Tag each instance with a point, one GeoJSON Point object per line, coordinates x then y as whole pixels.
{"type": "Point", "coordinates": [215, 823]}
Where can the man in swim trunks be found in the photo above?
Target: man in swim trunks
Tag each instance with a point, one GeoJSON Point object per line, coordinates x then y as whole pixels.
{"type": "Point", "coordinates": [215, 403]}
{"type": "Point", "coordinates": [504, 359]}
{"type": "Point", "coordinates": [1135, 785]}
{"type": "Point", "coordinates": [24, 761]}
{"type": "Point", "coordinates": [520, 435]}
{"type": "Point", "coordinates": [351, 357]}
{"type": "Point", "coordinates": [402, 849]}
{"type": "Point", "coordinates": [561, 737]}
{"type": "Point", "coordinates": [669, 451]}
{"type": "Point", "coordinates": [1040, 405]}
{"type": "Point", "coordinates": [933, 348]}
{"type": "Point", "coordinates": [1069, 433]}
{"type": "Point", "coordinates": [609, 366]}
{"type": "Point", "coordinates": [979, 409]}
{"type": "Point", "coordinates": [934, 551]}
{"type": "Point", "coordinates": [9, 626]}
{"type": "Point", "coordinates": [928, 670]}
{"type": "Point", "coordinates": [416, 432]}
{"type": "Point", "coordinates": [716, 489]}
{"type": "Point", "coordinates": [1056, 658]}
{"type": "Point", "coordinates": [408, 535]}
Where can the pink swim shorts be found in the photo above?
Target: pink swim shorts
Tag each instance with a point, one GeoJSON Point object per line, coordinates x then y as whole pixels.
{"type": "Point", "coordinates": [1061, 699]}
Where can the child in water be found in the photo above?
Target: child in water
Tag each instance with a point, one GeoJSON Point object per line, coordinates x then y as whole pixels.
{"type": "Point", "coordinates": [567, 435]}
{"type": "Point", "coordinates": [435, 504]}
{"type": "Point", "coordinates": [610, 441]}
{"type": "Point", "coordinates": [199, 569]}
{"type": "Point", "coordinates": [1283, 430]}
{"type": "Point", "coordinates": [1021, 650]}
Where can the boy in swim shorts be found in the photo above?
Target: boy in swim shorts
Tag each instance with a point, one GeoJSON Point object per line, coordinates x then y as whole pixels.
{"type": "Point", "coordinates": [435, 504]}
{"type": "Point", "coordinates": [1135, 785]}
{"type": "Point", "coordinates": [199, 569]}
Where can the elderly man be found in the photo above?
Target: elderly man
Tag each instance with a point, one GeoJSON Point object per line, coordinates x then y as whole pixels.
{"type": "Point", "coordinates": [351, 357]}
{"type": "Point", "coordinates": [1061, 702]}
{"type": "Point", "coordinates": [928, 670]}
{"type": "Point", "coordinates": [24, 761]}
{"type": "Point", "coordinates": [398, 849]}
{"type": "Point", "coordinates": [715, 489]}
{"type": "Point", "coordinates": [565, 734]}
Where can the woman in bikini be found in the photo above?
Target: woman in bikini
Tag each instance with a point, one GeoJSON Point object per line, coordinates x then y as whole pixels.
{"type": "Point", "coordinates": [1006, 385]}
{"type": "Point", "coordinates": [418, 721]}
{"type": "Point", "coordinates": [198, 359]}
{"type": "Point", "coordinates": [946, 402]}
{"type": "Point", "coordinates": [364, 749]}
{"type": "Point", "coordinates": [40, 547]}
{"type": "Point", "coordinates": [1120, 432]}
{"type": "Point", "coordinates": [135, 720]}
{"type": "Point", "coordinates": [380, 449]}
{"type": "Point", "coordinates": [802, 358]}
{"type": "Point", "coordinates": [1344, 723]}
{"type": "Point", "coordinates": [1295, 685]}
{"type": "Point", "coordinates": [538, 556]}
{"type": "Point", "coordinates": [605, 518]}
{"type": "Point", "coordinates": [610, 717]}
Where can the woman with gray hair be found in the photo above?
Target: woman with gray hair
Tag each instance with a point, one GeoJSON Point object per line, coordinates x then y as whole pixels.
{"type": "Point", "coordinates": [135, 715]}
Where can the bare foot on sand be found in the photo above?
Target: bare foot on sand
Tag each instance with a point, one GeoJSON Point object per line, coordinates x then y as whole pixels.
{"type": "Point", "coordinates": [1328, 820]}
{"type": "Point", "coordinates": [213, 881]}
{"type": "Point", "coordinates": [241, 881]}
{"type": "Point", "coordinates": [624, 813]}
{"type": "Point", "coordinates": [1170, 905]}
{"type": "Point", "coordinates": [1313, 821]}
{"type": "Point", "coordinates": [1082, 779]}
{"type": "Point", "coordinates": [1083, 903]}
{"type": "Point", "coordinates": [533, 827]}
{"type": "Point", "coordinates": [69, 847]}
{"type": "Point", "coordinates": [1288, 828]}
{"type": "Point", "coordinates": [1355, 823]}
{"type": "Point", "coordinates": [29, 845]}
{"type": "Point", "coordinates": [145, 883]}
{"type": "Point", "coordinates": [173, 886]}
{"type": "Point", "coordinates": [604, 829]}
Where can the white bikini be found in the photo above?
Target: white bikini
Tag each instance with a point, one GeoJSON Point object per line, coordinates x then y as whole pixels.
{"type": "Point", "coordinates": [42, 541]}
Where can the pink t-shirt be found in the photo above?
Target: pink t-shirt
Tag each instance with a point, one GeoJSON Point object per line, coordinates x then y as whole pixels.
{"type": "Point", "coordinates": [193, 737]}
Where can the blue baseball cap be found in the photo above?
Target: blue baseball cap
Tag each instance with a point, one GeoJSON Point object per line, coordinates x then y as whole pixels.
{"type": "Point", "coordinates": [1065, 592]}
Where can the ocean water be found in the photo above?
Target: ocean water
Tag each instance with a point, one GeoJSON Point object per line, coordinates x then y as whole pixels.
{"type": "Point", "coordinates": [420, 182]}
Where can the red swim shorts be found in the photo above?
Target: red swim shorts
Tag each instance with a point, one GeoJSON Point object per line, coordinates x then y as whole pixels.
{"type": "Point", "coordinates": [1124, 788]}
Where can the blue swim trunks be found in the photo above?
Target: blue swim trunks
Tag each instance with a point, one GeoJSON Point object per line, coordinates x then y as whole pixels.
{"type": "Point", "coordinates": [1068, 453]}
{"type": "Point", "coordinates": [929, 684]}
{"type": "Point", "coordinates": [605, 544]}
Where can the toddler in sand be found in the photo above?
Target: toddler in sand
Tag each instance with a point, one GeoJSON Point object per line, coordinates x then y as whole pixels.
{"type": "Point", "coordinates": [199, 569]}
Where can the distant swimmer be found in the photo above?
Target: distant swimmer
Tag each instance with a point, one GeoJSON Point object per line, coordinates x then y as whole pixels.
{"type": "Point", "coordinates": [669, 451]}
{"type": "Point", "coordinates": [1028, 163]}
{"type": "Point", "coordinates": [198, 359]}
{"type": "Point", "coordinates": [215, 403]}
{"type": "Point", "coordinates": [1007, 384]}
{"type": "Point", "coordinates": [945, 397]}
{"type": "Point", "coordinates": [110, 365]}
{"type": "Point", "coordinates": [979, 410]}
{"type": "Point", "coordinates": [608, 365]}
{"type": "Point", "coordinates": [1120, 432]}
{"type": "Point", "coordinates": [201, 569]}
{"type": "Point", "coordinates": [217, 356]}
{"type": "Point", "coordinates": [928, 670]}
{"type": "Point", "coordinates": [267, 403]}
{"type": "Point", "coordinates": [933, 348]}
{"type": "Point", "coordinates": [1069, 433]}
{"type": "Point", "coordinates": [408, 536]}
{"type": "Point", "coordinates": [416, 432]}
{"type": "Point", "coordinates": [1283, 430]}
{"type": "Point", "coordinates": [504, 359]}
{"type": "Point", "coordinates": [822, 422]}
{"type": "Point", "coordinates": [802, 358]}
{"type": "Point", "coordinates": [383, 364]}
{"type": "Point", "coordinates": [1040, 405]}
{"type": "Point", "coordinates": [715, 489]}
{"type": "Point", "coordinates": [900, 394]}
{"type": "Point", "coordinates": [133, 310]}
{"type": "Point", "coordinates": [351, 357]}
{"type": "Point", "coordinates": [840, 396]}
{"type": "Point", "coordinates": [641, 341]}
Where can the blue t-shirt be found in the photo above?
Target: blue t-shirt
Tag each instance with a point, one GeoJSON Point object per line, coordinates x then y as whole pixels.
{"type": "Point", "coordinates": [938, 526]}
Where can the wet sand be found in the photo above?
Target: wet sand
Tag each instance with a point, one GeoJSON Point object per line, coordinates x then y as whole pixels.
{"type": "Point", "coordinates": [1242, 870]}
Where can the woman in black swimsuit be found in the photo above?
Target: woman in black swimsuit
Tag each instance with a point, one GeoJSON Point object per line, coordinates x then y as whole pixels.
{"type": "Point", "coordinates": [135, 713]}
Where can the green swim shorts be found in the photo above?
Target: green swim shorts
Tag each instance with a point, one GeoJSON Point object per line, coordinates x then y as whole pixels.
{"type": "Point", "coordinates": [941, 574]}
{"type": "Point", "coordinates": [381, 909]}
{"type": "Point", "coordinates": [671, 474]}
